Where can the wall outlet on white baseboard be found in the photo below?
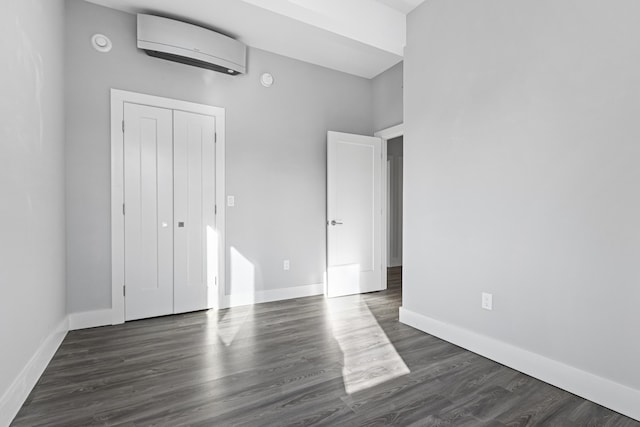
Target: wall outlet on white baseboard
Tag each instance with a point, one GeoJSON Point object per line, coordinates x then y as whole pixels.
{"type": "Point", "coordinates": [487, 301]}
{"type": "Point", "coordinates": [286, 265]}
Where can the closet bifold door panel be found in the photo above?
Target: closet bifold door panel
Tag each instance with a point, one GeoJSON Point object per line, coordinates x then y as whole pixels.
{"type": "Point", "coordinates": [148, 206]}
{"type": "Point", "coordinates": [194, 211]}
{"type": "Point", "coordinates": [167, 178]}
{"type": "Point", "coordinates": [170, 243]}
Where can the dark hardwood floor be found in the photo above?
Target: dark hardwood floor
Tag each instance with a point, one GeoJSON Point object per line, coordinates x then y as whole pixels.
{"type": "Point", "coordinates": [310, 361]}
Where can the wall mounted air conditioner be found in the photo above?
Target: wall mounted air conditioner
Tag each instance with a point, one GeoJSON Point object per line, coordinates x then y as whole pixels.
{"type": "Point", "coordinates": [192, 45]}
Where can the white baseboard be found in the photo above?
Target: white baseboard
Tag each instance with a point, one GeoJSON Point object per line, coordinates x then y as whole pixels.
{"type": "Point", "coordinates": [272, 295]}
{"type": "Point", "coordinates": [14, 397]}
{"type": "Point", "coordinates": [613, 395]}
{"type": "Point", "coordinates": [90, 319]}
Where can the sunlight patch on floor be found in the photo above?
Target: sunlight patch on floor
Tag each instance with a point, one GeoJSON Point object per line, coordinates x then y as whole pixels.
{"type": "Point", "coordinates": [231, 321]}
{"type": "Point", "coordinates": [242, 291]}
{"type": "Point", "coordinates": [369, 357]}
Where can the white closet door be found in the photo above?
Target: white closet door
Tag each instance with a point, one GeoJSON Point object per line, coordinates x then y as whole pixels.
{"type": "Point", "coordinates": [194, 211]}
{"type": "Point", "coordinates": [148, 198]}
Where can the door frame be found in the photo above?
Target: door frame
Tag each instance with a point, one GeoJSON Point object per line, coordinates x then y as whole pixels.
{"type": "Point", "coordinates": [386, 134]}
{"type": "Point", "coordinates": [118, 98]}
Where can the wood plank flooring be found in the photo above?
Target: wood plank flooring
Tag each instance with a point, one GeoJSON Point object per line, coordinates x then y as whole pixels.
{"type": "Point", "coordinates": [309, 361]}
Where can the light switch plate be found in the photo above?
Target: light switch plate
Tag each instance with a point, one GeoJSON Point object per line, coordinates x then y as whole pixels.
{"type": "Point", "coordinates": [487, 301]}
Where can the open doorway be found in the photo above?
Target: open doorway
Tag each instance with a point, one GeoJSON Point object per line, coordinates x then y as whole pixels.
{"type": "Point", "coordinates": [394, 202]}
{"type": "Point", "coordinates": [393, 153]}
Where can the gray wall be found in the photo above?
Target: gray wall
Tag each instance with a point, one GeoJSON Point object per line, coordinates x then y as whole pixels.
{"type": "Point", "coordinates": [522, 178]}
{"type": "Point", "coordinates": [387, 97]}
{"type": "Point", "coordinates": [32, 260]}
{"type": "Point", "coordinates": [276, 141]}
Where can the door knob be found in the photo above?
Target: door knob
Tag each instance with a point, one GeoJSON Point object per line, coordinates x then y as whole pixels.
{"type": "Point", "coordinates": [334, 222]}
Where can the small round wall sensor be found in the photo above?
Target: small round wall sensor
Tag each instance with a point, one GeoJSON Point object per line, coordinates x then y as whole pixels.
{"type": "Point", "coordinates": [266, 80]}
{"type": "Point", "coordinates": [101, 43]}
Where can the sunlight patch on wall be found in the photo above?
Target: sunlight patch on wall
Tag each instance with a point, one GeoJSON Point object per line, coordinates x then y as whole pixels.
{"type": "Point", "coordinates": [212, 266]}
{"type": "Point", "coordinates": [243, 274]}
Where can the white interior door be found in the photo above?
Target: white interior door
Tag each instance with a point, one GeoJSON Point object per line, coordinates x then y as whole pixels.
{"type": "Point", "coordinates": [194, 211]}
{"type": "Point", "coordinates": [148, 205]}
{"type": "Point", "coordinates": [354, 215]}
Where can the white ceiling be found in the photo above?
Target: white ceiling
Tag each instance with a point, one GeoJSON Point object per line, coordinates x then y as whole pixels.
{"type": "Point", "coordinates": [360, 37]}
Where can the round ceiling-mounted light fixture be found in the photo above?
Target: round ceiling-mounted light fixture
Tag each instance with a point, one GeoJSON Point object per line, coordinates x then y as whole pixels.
{"type": "Point", "coordinates": [266, 80]}
{"type": "Point", "coordinates": [101, 43]}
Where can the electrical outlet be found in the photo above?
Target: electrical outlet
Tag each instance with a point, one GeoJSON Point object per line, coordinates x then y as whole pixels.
{"type": "Point", "coordinates": [286, 265]}
{"type": "Point", "coordinates": [231, 201]}
{"type": "Point", "coordinates": [487, 301]}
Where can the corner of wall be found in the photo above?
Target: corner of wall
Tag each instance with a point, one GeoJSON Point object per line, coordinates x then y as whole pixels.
{"type": "Point", "coordinates": [90, 319]}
